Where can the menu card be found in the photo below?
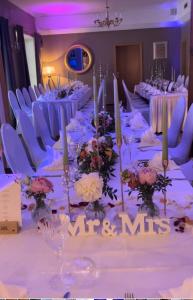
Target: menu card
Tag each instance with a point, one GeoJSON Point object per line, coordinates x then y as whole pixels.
{"type": "Point", "coordinates": [10, 199]}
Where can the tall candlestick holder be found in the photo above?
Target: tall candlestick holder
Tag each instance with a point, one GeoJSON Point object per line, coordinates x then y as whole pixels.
{"type": "Point", "coordinates": [67, 186]}
{"type": "Point", "coordinates": [119, 145]}
{"type": "Point", "coordinates": [165, 166]}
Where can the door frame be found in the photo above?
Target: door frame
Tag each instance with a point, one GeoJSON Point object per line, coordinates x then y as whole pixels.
{"type": "Point", "coordinates": [141, 57]}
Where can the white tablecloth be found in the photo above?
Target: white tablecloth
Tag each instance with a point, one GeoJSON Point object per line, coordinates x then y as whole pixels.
{"type": "Point", "coordinates": [139, 265]}
{"type": "Point", "coordinates": [155, 99]}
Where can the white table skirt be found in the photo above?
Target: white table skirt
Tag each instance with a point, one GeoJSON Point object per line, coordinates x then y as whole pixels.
{"type": "Point", "coordinates": [156, 102]}
{"type": "Point", "coordinates": [139, 265]}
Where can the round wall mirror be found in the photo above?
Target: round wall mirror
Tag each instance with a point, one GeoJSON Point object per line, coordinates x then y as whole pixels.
{"type": "Point", "coordinates": [78, 59]}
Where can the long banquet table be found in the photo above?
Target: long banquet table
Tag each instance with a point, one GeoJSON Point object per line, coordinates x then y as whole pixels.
{"type": "Point", "coordinates": [142, 265]}
{"type": "Point", "coordinates": [156, 101]}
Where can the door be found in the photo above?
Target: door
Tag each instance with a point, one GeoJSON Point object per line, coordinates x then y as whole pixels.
{"type": "Point", "coordinates": [128, 67]}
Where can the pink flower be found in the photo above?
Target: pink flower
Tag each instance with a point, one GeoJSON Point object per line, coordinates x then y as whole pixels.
{"type": "Point", "coordinates": [147, 176]}
{"type": "Point", "coordinates": [41, 185]}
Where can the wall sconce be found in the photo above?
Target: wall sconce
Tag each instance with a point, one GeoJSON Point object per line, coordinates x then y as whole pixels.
{"type": "Point", "coordinates": [49, 71]}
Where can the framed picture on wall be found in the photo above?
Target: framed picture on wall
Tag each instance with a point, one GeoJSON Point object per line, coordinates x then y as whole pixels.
{"type": "Point", "coordinates": [160, 50]}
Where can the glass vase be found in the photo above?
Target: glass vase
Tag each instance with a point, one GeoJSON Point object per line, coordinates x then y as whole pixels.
{"type": "Point", "coordinates": [95, 210]}
{"type": "Point", "coordinates": [149, 206]}
{"type": "Point", "coordinates": [41, 211]}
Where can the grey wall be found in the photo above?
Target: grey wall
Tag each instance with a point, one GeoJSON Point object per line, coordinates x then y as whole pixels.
{"type": "Point", "coordinates": [103, 45]}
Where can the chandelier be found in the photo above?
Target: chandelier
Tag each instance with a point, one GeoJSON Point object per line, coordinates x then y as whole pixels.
{"type": "Point", "coordinates": [107, 22]}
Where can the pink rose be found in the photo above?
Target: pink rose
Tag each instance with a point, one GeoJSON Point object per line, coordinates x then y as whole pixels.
{"type": "Point", "coordinates": [147, 176]}
{"type": "Point", "coordinates": [41, 185]}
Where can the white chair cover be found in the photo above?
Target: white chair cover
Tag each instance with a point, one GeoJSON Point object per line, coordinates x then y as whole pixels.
{"type": "Point", "coordinates": [32, 94]}
{"type": "Point", "coordinates": [41, 89]}
{"type": "Point", "coordinates": [40, 125]}
{"type": "Point", "coordinates": [176, 122]}
{"type": "Point", "coordinates": [187, 170]}
{"type": "Point", "coordinates": [27, 97]}
{"type": "Point", "coordinates": [182, 79]}
{"type": "Point", "coordinates": [22, 102]}
{"type": "Point", "coordinates": [14, 151]}
{"type": "Point", "coordinates": [53, 120]}
{"type": "Point", "coordinates": [39, 157]}
{"type": "Point", "coordinates": [178, 80]}
{"type": "Point", "coordinates": [14, 103]}
{"type": "Point", "coordinates": [186, 82]}
{"type": "Point", "coordinates": [100, 95]}
{"type": "Point", "coordinates": [180, 154]}
{"type": "Point", "coordinates": [128, 97]}
{"type": "Point", "coordinates": [37, 92]}
{"type": "Point", "coordinates": [170, 86]}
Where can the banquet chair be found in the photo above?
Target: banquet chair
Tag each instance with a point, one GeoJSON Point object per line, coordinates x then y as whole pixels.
{"type": "Point", "coordinates": [187, 170]}
{"type": "Point", "coordinates": [100, 95]}
{"type": "Point", "coordinates": [133, 104]}
{"type": "Point", "coordinates": [22, 102]}
{"type": "Point", "coordinates": [32, 93]}
{"type": "Point", "coordinates": [176, 122]}
{"type": "Point", "coordinates": [41, 89]}
{"type": "Point", "coordinates": [37, 92]}
{"type": "Point", "coordinates": [14, 151]}
{"type": "Point", "coordinates": [13, 103]}
{"type": "Point", "coordinates": [180, 154]}
{"type": "Point", "coordinates": [27, 97]}
{"type": "Point", "coordinates": [186, 84]}
{"type": "Point", "coordinates": [38, 156]}
{"type": "Point", "coordinates": [53, 120]}
{"type": "Point", "coordinates": [41, 126]}
{"type": "Point", "coordinates": [170, 86]}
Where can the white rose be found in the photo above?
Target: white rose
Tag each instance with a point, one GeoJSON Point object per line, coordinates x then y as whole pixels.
{"type": "Point", "coordinates": [89, 187]}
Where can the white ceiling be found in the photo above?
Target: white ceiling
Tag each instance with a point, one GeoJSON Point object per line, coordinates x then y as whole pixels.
{"type": "Point", "coordinates": [63, 16]}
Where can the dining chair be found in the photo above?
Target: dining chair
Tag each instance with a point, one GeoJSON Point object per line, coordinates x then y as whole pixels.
{"type": "Point", "coordinates": [32, 94]}
{"type": "Point", "coordinates": [41, 89]}
{"type": "Point", "coordinates": [135, 103]}
{"type": "Point", "coordinates": [53, 120]}
{"type": "Point", "coordinates": [187, 170]}
{"type": "Point", "coordinates": [37, 92]}
{"type": "Point", "coordinates": [27, 97]}
{"type": "Point", "coordinates": [13, 103]}
{"type": "Point", "coordinates": [40, 125]}
{"type": "Point", "coordinates": [181, 153]}
{"type": "Point", "coordinates": [170, 86]}
{"type": "Point", "coordinates": [176, 122]}
{"type": "Point", "coordinates": [186, 82]}
{"type": "Point", "coordinates": [100, 95]}
{"type": "Point", "coordinates": [38, 156]}
{"type": "Point", "coordinates": [22, 102]}
{"type": "Point", "coordinates": [14, 151]}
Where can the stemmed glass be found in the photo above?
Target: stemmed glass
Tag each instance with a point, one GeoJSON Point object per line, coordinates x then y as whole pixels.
{"type": "Point", "coordinates": [129, 140]}
{"type": "Point", "coordinates": [165, 85]}
{"type": "Point", "coordinates": [55, 232]}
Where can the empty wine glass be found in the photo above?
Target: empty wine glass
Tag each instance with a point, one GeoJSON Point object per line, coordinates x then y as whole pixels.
{"type": "Point", "coordinates": [129, 140]}
{"type": "Point", "coordinates": [55, 233]}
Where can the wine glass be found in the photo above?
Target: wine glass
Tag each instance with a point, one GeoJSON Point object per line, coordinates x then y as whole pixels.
{"type": "Point", "coordinates": [165, 85]}
{"type": "Point", "coordinates": [55, 233]}
{"type": "Point", "coordinates": [129, 140]}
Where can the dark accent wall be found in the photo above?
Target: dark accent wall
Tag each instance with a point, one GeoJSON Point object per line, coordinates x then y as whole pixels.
{"type": "Point", "coordinates": [16, 16]}
{"type": "Point", "coordinates": [102, 44]}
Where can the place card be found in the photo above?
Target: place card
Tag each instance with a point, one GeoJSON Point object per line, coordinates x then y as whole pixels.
{"type": "Point", "coordinates": [10, 204]}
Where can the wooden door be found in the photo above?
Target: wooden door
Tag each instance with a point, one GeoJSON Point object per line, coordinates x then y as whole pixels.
{"type": "Point", "coordinates": [128, 67]}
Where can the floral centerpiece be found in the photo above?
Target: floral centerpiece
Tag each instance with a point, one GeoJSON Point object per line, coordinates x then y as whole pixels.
{"type": "Point", "coordinates": [146, 181]}
{"type": "Point", "coordinates": [38, 188]}
{"type": "Point", "coordinates": [106, 123]}
{"type": "Point", "coordinates": [90, 188]}
{"type": "Point", "coordinates": [99, 156]}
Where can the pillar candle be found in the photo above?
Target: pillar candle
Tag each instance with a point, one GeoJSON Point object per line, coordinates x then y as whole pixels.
{"type": "Point", "coordinates": [64, 141]}
{"type": "Point", "coordinates": [96, 117]}
{"type": "Point", "coordinates": [117, 114]}
{"type": "Point", "coordinates": [164, 130]}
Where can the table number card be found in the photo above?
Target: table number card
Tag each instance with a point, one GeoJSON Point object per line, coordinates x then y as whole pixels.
{"type": "Point", "coordinates": [10, 204]}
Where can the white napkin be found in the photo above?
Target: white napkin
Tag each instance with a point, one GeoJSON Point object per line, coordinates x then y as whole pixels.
{"type": "Point", "coordinates": [149, 138]}
{"type": "Point", "coordinates": [12, 291]}
{"type": "Point", "coordinates": [137, 122]}
{"type": "Point", "coordinates": [58, 145]}
{"type": "Point", "coordinates": [184, 291]}
{"type": "Point", "coordinates": [156, 163]}
{"type": "Point", "coordinates": [74, 125]}
{"type": "Point", "coordinates": [56, 165]}
{"type": "Point", "coordinates": [182, 89]}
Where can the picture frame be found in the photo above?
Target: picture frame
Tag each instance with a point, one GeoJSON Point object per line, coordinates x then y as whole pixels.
{"type": "Point", "coordinates": [160, 50]}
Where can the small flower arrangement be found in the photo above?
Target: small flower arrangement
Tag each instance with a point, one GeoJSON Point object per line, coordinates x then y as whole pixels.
{"type": "Point", "coordinates": [146, 181]}
{"type": "Point", "coordinates": [106, 123]}
{"type": "Point", "coordinates": [38, 188]}
{"type": "Point", "coordinates": [99, 156]}
{"type": "Point", "coordinates": [90, 188]}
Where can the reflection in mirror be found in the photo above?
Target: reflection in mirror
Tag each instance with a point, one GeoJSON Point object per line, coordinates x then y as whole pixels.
{"type": "Point", "coordinates": [78, 59]}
